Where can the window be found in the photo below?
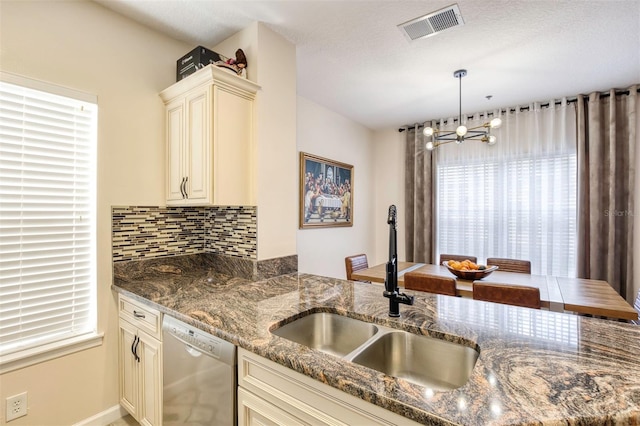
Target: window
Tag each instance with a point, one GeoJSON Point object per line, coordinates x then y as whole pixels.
{"type": "Point", "coordinates": [516, 199]}
{"type": "Point", "coordinates": [47, 216]}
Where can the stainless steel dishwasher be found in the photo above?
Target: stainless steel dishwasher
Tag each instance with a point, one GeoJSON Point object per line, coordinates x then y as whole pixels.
{"type": "Point", "coordinates": [199, 376]}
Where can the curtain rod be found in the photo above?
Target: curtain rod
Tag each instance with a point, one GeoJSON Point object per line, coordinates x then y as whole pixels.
{"type": "Point", "coordinates": [527, 108]}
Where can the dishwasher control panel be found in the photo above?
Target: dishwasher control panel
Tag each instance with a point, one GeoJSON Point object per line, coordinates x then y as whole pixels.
{"type": "Point", "coordinates": [197, 339]}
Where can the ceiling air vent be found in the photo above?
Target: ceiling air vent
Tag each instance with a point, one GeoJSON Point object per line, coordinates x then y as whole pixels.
{"type": "Point", "coordinates": [432, 23]}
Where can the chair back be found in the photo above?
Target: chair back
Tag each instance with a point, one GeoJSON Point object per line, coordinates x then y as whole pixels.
{"type": "Point", "coordinates": [430, 283]}
{"type": "Point", "coordinates": [457, 257]}
{"type": "Point", "coordinates": [528, 297]}
{"type": "Point", "coordinates": [510, 265]}
{"type": "Point", "coordinates": [355, 263]}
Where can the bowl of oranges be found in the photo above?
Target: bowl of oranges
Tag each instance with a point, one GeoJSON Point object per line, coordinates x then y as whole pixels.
{"type": "Point", "coordinates": [468, 270]}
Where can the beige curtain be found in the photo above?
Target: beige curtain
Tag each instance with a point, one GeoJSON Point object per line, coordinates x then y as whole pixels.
{"type": "Point", "coordinates": [419, 199]}
{"type": "Point", "coordinates": [606, 175]}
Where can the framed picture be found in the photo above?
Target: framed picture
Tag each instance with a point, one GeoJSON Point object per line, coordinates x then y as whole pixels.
{"type": "Point", "coordinates": [326, 192]}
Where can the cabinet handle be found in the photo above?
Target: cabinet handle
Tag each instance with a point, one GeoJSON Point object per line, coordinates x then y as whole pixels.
{"type": "Point", "coordinates": [138, 315]}
{"type": "Point", "coordinates": [133, 343]}
{"type": "Point", "coordinates": [135, 348]}
{"type": "Point", "coordinates": [186, 192]}
{"type": "Point", "coordinates": [182, 187]}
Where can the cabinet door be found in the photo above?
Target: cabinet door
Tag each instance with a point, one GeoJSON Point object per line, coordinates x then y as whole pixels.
{"type": "Point", "coordinates": [150, 352]}
{"type": "Point", "coordinates": [175, 151]}
{"type": "Point", "coordinates": [128, 371]}
{"type": "Point", "coordinates": [198, 147]}
{"type": "Point", "coordinates": [233, 155]}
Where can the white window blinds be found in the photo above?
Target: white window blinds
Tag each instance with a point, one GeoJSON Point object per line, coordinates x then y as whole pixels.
{"type": "Point", "coordinates": [516, 199]}
{"type": "Point", "coordinates": [47, 214]}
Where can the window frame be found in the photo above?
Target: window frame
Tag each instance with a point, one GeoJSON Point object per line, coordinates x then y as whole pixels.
{"type": "Point", "coordinates": [90, 337]}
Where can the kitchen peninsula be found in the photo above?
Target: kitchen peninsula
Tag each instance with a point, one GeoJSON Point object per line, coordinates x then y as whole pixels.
{"type": "Point", "coordinates": [534, 367]}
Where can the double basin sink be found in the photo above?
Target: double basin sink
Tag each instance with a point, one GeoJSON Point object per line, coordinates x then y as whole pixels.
{"type": "Point", "coordinates": [427, 361]}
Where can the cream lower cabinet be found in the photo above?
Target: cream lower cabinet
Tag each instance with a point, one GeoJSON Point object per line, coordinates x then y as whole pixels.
{"type": "Point", "coordinates": [210, 139]}
{"type": "Point", "coordinates": [271, 394]}
{"type": "Point", "coordinates": [140, 362]}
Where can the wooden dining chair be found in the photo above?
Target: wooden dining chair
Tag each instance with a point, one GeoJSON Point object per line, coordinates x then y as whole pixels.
{"type": "Point", "coordinates": [458, 257]}
{"type": "Point", "coordinates": [510, 265]}
{"type": "Point", "coordinates": [355, 263]}
{"type": "Point", "coordinates": [430, 283]}
{"type": "Point", "coordinates": [528, 297]}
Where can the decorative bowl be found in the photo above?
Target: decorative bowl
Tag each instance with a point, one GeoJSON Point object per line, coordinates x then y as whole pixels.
{"type": "Point", "coordinates": [471, 275]}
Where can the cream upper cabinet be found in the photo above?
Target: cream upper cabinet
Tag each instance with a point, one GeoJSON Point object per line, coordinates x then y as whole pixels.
{"type": "Point", "coordinates": [210, 139]}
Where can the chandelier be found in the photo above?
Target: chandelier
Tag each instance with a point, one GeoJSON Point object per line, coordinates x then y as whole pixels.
{"type": "Point", "coordinates": [461, 134]}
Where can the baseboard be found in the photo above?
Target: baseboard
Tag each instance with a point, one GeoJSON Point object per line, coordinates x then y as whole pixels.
{"type": "Point", "coordinates": [104, 418]}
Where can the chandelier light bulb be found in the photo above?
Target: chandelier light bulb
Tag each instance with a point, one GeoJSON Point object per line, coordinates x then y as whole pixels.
{"type": "Point", "coordinates": [428, 131]}
{"type": "Point", "coordinates": [429, 146]}
{"type": "Point", "coordinates": [461, 131]}
{"type": "Point", "coordinates": [492, 140]}
{"type": "Point", "coordinates": [495, 123]}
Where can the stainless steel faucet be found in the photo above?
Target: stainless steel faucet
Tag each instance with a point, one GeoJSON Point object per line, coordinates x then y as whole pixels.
{"type": "Point", "coordinates": [391, 280]}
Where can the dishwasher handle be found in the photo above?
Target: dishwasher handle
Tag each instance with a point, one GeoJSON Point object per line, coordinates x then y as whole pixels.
{"type": "Point", "coordinates": [192, 351]}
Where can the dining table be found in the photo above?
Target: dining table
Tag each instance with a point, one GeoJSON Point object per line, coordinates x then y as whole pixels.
{"type": "Point", "coordinates": [558, 294]}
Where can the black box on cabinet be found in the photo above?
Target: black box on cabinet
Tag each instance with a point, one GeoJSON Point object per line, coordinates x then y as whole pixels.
{"type": "Point", "coordinates": [198, 58]}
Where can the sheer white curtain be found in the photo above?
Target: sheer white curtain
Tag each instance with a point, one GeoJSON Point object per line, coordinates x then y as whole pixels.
{"type": "Point", "coordinates": [517, 198]}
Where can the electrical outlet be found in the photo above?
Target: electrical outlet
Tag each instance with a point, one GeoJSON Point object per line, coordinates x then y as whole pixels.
{"type": "Point", "coordinates": [16, 406]}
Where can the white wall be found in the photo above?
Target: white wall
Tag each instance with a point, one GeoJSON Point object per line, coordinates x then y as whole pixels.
{"type": "Point", "coordinates": [81, 45]}
{"type": "Point", "coordinates": [277, 165]}
{"type": "Point", "coordinates": [272, 64]}
{"type": "Point", "coordinates": [326, 134]}
{"type": "Point", "coordinates": [389, 147]}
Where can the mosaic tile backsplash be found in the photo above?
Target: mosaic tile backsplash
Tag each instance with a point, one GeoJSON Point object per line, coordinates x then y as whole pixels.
{"type": "Point", "coordinates": [148, 232]}
{"type": "Point", "coordinates": [231, 231]}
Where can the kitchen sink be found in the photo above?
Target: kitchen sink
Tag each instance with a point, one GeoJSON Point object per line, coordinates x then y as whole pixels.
{"type": "Point", "coordinates": [426, 361]}
{"type": "Point", "coordinates": [327, 332]}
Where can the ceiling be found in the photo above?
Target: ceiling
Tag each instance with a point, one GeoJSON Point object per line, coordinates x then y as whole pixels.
{"type": "Point", "coordinates": [352, 58]}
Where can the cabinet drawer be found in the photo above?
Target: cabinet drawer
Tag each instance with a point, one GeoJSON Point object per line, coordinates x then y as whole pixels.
{"type": "Point", "coordinates": [254, 411]}
{"type": "Point", "coordinates": [141, 316]}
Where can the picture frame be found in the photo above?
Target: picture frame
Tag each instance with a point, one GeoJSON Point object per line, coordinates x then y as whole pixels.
{"type": "Point", "coordinates": [326, 192]}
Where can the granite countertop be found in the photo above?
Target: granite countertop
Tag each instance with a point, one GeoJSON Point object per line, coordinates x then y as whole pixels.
{"type": "Point", "coordinates": [535, 367]}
